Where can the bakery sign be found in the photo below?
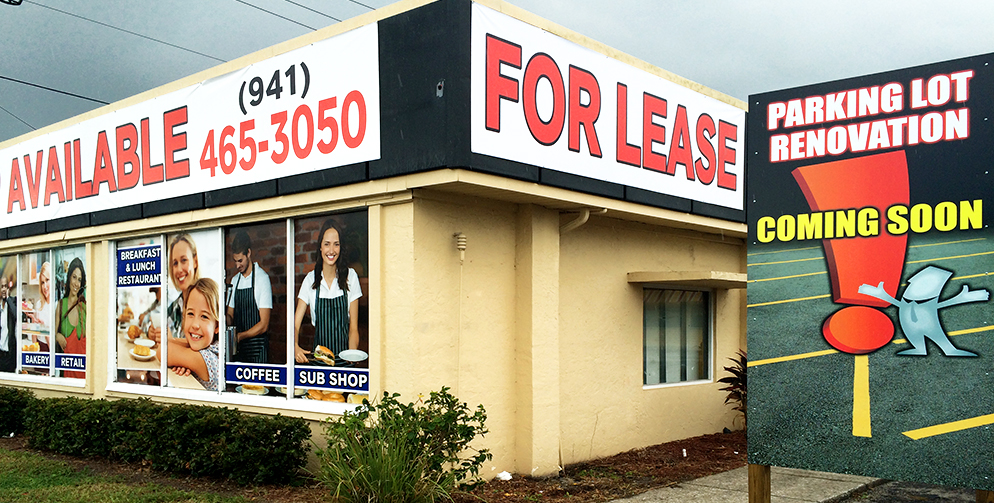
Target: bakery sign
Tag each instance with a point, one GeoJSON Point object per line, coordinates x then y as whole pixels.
{"type": "Point", "coordinates": [540, 99]}
{"type": "Point", "coordinates": [313, 108]}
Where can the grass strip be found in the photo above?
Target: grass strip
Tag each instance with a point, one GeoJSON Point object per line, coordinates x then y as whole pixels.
{"type": "Point", "coordinates": [31, 478]}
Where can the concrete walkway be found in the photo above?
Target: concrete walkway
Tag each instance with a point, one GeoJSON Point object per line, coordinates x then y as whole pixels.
{"type": "Point", "coordinates": [787, 485]}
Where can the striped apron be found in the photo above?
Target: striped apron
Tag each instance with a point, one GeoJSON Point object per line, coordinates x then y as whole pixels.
{"type": "Point", "coordinates": [246, 315]}
{"type": "Point", "coordinates": [331, 327]}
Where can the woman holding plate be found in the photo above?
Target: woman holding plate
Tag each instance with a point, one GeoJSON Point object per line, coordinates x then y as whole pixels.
{"type": "Point", "coordinates": [331, 294]}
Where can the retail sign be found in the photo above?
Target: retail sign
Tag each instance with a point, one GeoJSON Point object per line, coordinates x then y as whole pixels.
{"type": "Point", "coordinates": [313, 108]}
{"type": "Point", "coordinates": [870, 260]}
{"type": "Point", "coordinates": [543, 100]}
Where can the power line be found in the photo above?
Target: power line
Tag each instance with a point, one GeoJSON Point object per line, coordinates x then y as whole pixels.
{"type": "Point", "coordinates": [362, 4]}
{"type": "Point", "coordinates": [67, 93]}
{"type": "Point", "coordinates": [314, 11]}
{"type": "Point", "coordinates": [275, 14]}
{"type": "Point", "coordinates": [128, 31]}
{"type": "Point", "coordinates": [18, 118]}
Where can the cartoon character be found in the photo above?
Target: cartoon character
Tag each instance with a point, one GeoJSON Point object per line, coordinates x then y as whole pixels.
{"type": "Point", "coordinates": [918, 309]}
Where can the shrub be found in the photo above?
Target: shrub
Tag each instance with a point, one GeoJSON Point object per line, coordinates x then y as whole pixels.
{"type": "Point", "coordinates": [395, 452]}
{"type": "Point", "coordinates": [188, 439]}
{"type": "Point", "coordinates": [13, 402]}
{"type": "Point", "coordinates": [736, 383]}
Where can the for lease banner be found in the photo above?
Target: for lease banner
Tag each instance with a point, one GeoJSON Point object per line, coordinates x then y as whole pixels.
{"type": "Point", "coordinates": [313, 108]}
{"type": "Point", "coordinates": [543, 100]}
{"type": "Point", "coordinates": [870, 323]}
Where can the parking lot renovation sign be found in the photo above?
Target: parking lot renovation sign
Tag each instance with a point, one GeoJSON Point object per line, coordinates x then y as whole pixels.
{"type": "Point", "coordinates": [871, 324]}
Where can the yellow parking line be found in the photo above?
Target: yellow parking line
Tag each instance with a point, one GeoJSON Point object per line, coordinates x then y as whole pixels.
{"type": "Point", "coordinates": [948, 242]}
{"type": "Point", "coordinates": [831, 351]}
{"type": "Point", "coordinates": [782, 251]}
{"type": "Point", "coordinates": [949, 258]}
{"type": "Point", "coordinates": [788, 300]}
{"type": "Point", "coordinates": [788, 261]}
{"type": "Point", "coordinates": [861, 397]}
{"type": "Point", "coordinates": [786, 277]}
{"type": "Point", "coordinates": [973, 275]}
{"type": "Point", "coordinates": [802, 356]}
{"type": "Point", "coordinates": [950, 427]}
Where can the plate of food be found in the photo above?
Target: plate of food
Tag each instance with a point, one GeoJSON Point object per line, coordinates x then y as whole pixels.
{"type": "Point", "coordinates": [296, 391]}
{"type": "Point", "coordinates": [252, 389]}
{"type": "Point", "coordinates": [142, 353]}
{"type": "Point", "coordinates": [357, 398]}
{"type": "Point", "coordinates": [325, 395]}
{"type": "Point", "coordinates": [353, 355]}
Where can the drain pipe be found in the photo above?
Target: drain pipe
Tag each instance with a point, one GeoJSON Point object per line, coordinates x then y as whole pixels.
{"type": "Point", "coordinates": [580, 220]}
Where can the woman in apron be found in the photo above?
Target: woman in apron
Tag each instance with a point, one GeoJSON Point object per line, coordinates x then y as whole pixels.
{"type": "Point", "coordinates": [331, 293]}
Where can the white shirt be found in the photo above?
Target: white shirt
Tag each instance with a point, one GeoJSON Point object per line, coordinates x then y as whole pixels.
{"type": "Point", "coordinates": [307, 292]}
{"type": "Point", "coordinates": [263, 287]}
{"type": "Point", "coordinates": [4, 329]}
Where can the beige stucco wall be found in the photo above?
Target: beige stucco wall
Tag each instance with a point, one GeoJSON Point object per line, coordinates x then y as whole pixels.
{"type": "Point", "coordinates": [605, 408]}
{"type": "Point", "coordinates": [544, 329]}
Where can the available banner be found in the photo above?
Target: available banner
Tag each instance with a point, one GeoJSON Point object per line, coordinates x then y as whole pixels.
{"type": "Point", "coordinates": [540, 99]}
{"type": "Point", "coordinates": [870, 327]}
{"type": "Point", "coordinates": [310, 109]}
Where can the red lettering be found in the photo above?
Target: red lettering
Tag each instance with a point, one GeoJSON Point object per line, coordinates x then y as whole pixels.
{"type": "Point", "coordinates": [34, 177]}
{"type": "Point", "coordinates": [653, 106]}
{"type": "Point", "coordinates": [580, 82]}
{"type": "Point", "coordinates": [15, 192]}
{"type": "Point", "coordinates": [681, 152]}
{"type": "Point", "coordinates": [67, 148]}
{"type": "Point", "coordinates": [542, 66]}
{"type": "Point", "coordinates": [498, 87]}
{"type": "Point", "coordinates": [626, 152]}
{"type": "Point", "coordinates": [150, 173]}
{"type": "Point", "coordinates": [175, 142]}
{"type": "Point", "coordinates": [127, 155]}
{"type": "Point", "coordinates": [54, 178]}
{"type": "Point", "coordinates": [726, 155]}
{"type": "Point", "coordinates": [705, 131]}
{"type": "Point", "coordinates": [83, 188]}
{"type": "Point", "coordinates": [103, 165]}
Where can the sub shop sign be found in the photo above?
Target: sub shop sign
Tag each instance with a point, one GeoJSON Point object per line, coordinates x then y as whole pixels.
{"type": "Point", "coordinates": [542, 100]}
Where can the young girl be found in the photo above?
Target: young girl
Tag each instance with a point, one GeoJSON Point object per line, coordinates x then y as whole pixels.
{"type": "Point", "coordinates": [331, 293]}
{"type": "Point", "coordinates": [198, 351]}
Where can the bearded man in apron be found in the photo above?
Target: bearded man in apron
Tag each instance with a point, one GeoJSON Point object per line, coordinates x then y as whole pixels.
{"type": "Point", "coordinates": [249, 303]}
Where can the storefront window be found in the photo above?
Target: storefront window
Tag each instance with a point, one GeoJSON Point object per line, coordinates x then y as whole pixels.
{"type": "Point", "coordinates": [677, 336]}
{"type": "Point", "coordinates": [258, 331]}
{"type": "Point", "coordinates": [139, 310]}
{"type": "Point", "coordinates": [36, 296]}
{"type": "Point", "coordinates": [331, 315]}
{"type": "Point", "coordinates": [8, 315]}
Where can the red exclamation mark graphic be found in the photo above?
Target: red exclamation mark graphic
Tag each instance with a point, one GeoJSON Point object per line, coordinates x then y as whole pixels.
{"type": "Point", "coordinates": [841, 189]}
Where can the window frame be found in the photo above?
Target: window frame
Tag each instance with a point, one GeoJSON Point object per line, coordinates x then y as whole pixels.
{"type": "Point", "coordinates": [709, 336]}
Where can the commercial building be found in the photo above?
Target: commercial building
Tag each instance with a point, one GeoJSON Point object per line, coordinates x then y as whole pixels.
{"type": "Point", "coordinates": [547, 226]}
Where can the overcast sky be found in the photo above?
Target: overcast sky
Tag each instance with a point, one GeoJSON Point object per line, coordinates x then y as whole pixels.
{"type": "Point", "coordinates": [104, 49]}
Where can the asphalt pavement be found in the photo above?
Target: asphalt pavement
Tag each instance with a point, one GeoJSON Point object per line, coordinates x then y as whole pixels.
{"type": "Point", "coordinates": [923, 417]}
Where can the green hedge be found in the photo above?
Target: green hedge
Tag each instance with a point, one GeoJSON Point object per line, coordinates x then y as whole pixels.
{"type": "Point", "coordinates": [13, 401]}
{"type": "Point", "coordinates": [186, 439]}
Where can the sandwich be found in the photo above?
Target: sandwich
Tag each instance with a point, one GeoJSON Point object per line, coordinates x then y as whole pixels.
{"type": "Point", "coordinates": [327, 396]}
{"type": "Point", "coordinates": [324, 355]}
